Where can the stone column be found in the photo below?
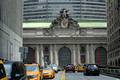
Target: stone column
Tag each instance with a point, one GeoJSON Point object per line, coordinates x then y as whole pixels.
{"type": "Point", "coordinates": [42, 55]}
{"type": "Point", "coordinates": [51, 54]}
{"type": "Point", "coordinates": [92, 55]}
{"type": "Point", "coordinates": [37, 54]}
{"type": "Point", "coordinates": [87, 54]}
{"type": "Point", "coordinates": [56, 55]}
{"type": "Point", "coordinates": [79, 56]}
{"type": "Point", "coordinates": [74, 57]}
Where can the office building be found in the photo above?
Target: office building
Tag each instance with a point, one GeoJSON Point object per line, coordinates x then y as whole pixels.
{"type": "Point", "coordinates": [113, 30]}
{"type": "Point", "coordinates": [48, 10]}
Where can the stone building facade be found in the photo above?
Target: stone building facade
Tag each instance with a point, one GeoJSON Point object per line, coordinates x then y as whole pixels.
{"type": "Point", "coordinates": [10, 29]}
{"type": "Point", "coordinates": [65, 42]}
{"type": "Point", "coordinates": [81, 47]}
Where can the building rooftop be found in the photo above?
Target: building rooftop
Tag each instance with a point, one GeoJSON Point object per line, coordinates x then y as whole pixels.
{"type": "Point", "coordinates": [85, 23]}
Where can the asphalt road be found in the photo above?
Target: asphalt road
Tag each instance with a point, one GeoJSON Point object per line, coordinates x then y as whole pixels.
{"type": "Point", "coordinates": [79, 76]}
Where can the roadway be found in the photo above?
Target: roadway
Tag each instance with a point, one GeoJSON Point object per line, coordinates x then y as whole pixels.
{"type": "Point", "coordinates": [79, 76]}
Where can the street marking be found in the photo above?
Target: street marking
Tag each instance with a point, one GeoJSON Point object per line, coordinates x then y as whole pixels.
{"type": "Point", "coordinates": [57, 75]}
{"type": "Point", "coordinates": [63, 76]}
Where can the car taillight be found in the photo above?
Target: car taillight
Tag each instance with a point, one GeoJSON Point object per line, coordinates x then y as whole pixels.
{"type": "Point", "coordinates": [67, 67]}
{"type": "Point", "coordinates": [87, 69]}
{"type": "Point", "coordinates": [98, 69]}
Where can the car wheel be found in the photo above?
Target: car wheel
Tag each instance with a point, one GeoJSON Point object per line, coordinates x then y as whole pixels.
{"type": "Point", "coordinates": [74, 71]}
{"type": "Point", "coordinates": [66, 71]}
{"type": "Point", "coordinates": [97, 74]}
{"type": "Point", "coordinates": [84, 74]}
{"type": "Point", "coordinates": [40, 78]}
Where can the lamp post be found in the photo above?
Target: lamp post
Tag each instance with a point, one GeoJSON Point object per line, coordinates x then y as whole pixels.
{"type": "Point", "coordinates": [35, 54]}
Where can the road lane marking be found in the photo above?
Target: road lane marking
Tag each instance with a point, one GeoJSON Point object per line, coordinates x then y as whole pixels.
{"type": "Point", "coordinates": [63, 76]}
{"type": "Point", "coordinates": [57, 75]}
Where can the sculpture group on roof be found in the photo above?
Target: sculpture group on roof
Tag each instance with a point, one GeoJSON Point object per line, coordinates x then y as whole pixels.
{"type": "Point", "coordinates": [64, 21]}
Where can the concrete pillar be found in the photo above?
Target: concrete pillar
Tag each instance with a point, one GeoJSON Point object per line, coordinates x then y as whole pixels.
{"type": "Point", "coordinates": [51, 54]}
{"type": "Point", "coordinates": [56, 55]}
{"type": "Point", "coordinates": [92, 54]}
{"type": "Point", "coordinates": [79, 56]}
{"type": "Point", "coordinates": [42, 55]}
{"type": "Point", "coordinates": [74, 57]}
{"type": "Point", "coordinates": [87, 54]}
{"type": "Point", "coordinates": [37, 53]}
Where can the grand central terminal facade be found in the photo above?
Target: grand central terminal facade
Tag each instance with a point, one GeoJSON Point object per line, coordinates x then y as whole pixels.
{"type": "Point", "coordinates": [65, 42]}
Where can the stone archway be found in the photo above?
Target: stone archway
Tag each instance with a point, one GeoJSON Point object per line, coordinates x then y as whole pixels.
{"type": "Point", "coordinates": [101, 56]}
{"type": "Point", "coordinates": [64, 56]}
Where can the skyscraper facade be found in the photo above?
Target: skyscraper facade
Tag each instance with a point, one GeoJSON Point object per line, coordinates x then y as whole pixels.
{"type": "Point", "coordinates": [45, 10]}
{"type": "Point", "coordinates": [113, 30]}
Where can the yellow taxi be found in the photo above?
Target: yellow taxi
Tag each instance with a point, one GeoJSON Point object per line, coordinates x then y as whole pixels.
{"type": "Point", "coordinates": [3, 75]}
{"type": "Point", "coordinates": [81, 67]}
{"type": "Point", "coordinates": [33, 72]}
{"type": "Point", "coordinates": [76, 68]}
{"type": "Point", "coordinates": [48, 72]}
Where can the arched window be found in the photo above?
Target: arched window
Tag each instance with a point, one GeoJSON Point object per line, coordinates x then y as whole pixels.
{"type": "Point", "coordinates": [83, 51]}
{"type": "Point", "coordinates": [101, 56]}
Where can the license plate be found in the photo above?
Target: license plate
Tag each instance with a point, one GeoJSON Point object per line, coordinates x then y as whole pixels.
{"type": "Point", "coordinates": [93, 70]}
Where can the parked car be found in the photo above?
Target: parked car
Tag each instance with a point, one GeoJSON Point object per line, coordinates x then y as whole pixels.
{"type": "Point", "coordinates": [70, 67]}
{"type": "Point", "coordinates": [92, 69]}
{"type": "Point", "coordinates": [3, 75]}
{"type": "Point", "coordinates": [48, 71]}
{"type": "Point", "coordinates": [15, 70]}
{"type": "Point", "coordinates": [54, 67]}
{"type": "Point", "coordinates": [59, 69]}
{"type": "Point", "coordinates": [76, 68]}
{"type": "Point", "coordinates": [33, 71]}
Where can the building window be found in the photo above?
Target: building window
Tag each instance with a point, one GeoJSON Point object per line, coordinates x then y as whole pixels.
{"type": "Point", "coordinates": [83, 51]}
{"type": "Point", "coordinates": [46, 49]}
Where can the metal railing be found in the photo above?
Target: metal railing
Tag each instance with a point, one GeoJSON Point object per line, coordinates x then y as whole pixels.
{"type": "Point", "coordinates": [110, 70]}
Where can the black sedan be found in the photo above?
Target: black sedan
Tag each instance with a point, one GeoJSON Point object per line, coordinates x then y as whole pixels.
{"type": "Point", "coordinates": [92, 69]}
{"type": "Point", "coordinates": [15, 70]}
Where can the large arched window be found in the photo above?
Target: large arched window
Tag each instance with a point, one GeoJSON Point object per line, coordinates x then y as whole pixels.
{"type": "Point", "coordinates": [64, 56]}
{"type": "Point", "coordinates": [101, 56]}
{"type": "Point", "coordinates": [30, 56]}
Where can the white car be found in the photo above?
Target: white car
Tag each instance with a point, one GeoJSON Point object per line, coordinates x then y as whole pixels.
{"type": "Point", "coordinates": [54, 67]}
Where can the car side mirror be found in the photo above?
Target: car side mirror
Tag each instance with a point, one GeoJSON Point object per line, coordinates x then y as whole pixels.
{"type": "Point", "coordinates": [41, 69]}
{"type": "Point", "coordinates": [17, 75]}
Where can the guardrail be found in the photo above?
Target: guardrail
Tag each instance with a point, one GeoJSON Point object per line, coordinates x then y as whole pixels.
{"type": "Point", "coordinates": [110, 70]}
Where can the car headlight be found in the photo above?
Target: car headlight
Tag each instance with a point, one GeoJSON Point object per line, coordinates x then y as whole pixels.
{"type": "Point", "coordinates": [34, 76]}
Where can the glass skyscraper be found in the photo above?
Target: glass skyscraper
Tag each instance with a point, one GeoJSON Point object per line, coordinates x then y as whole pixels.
{"type": "Point", "coordinates": [45, 10]}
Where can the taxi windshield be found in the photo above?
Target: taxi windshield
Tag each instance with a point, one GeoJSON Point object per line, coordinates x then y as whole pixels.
{"type": "Point", "coordinates": [82, 65]}
{"type": "Point", "coordinates": [47, 68]}
{"type": "Point", "coordinates": [31, 68]}
{"type": "Point", "coordinates": [8, 68]}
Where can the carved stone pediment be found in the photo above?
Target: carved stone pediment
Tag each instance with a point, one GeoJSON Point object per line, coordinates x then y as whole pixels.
{"type": "Point", "coordinates": [64, 21]}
